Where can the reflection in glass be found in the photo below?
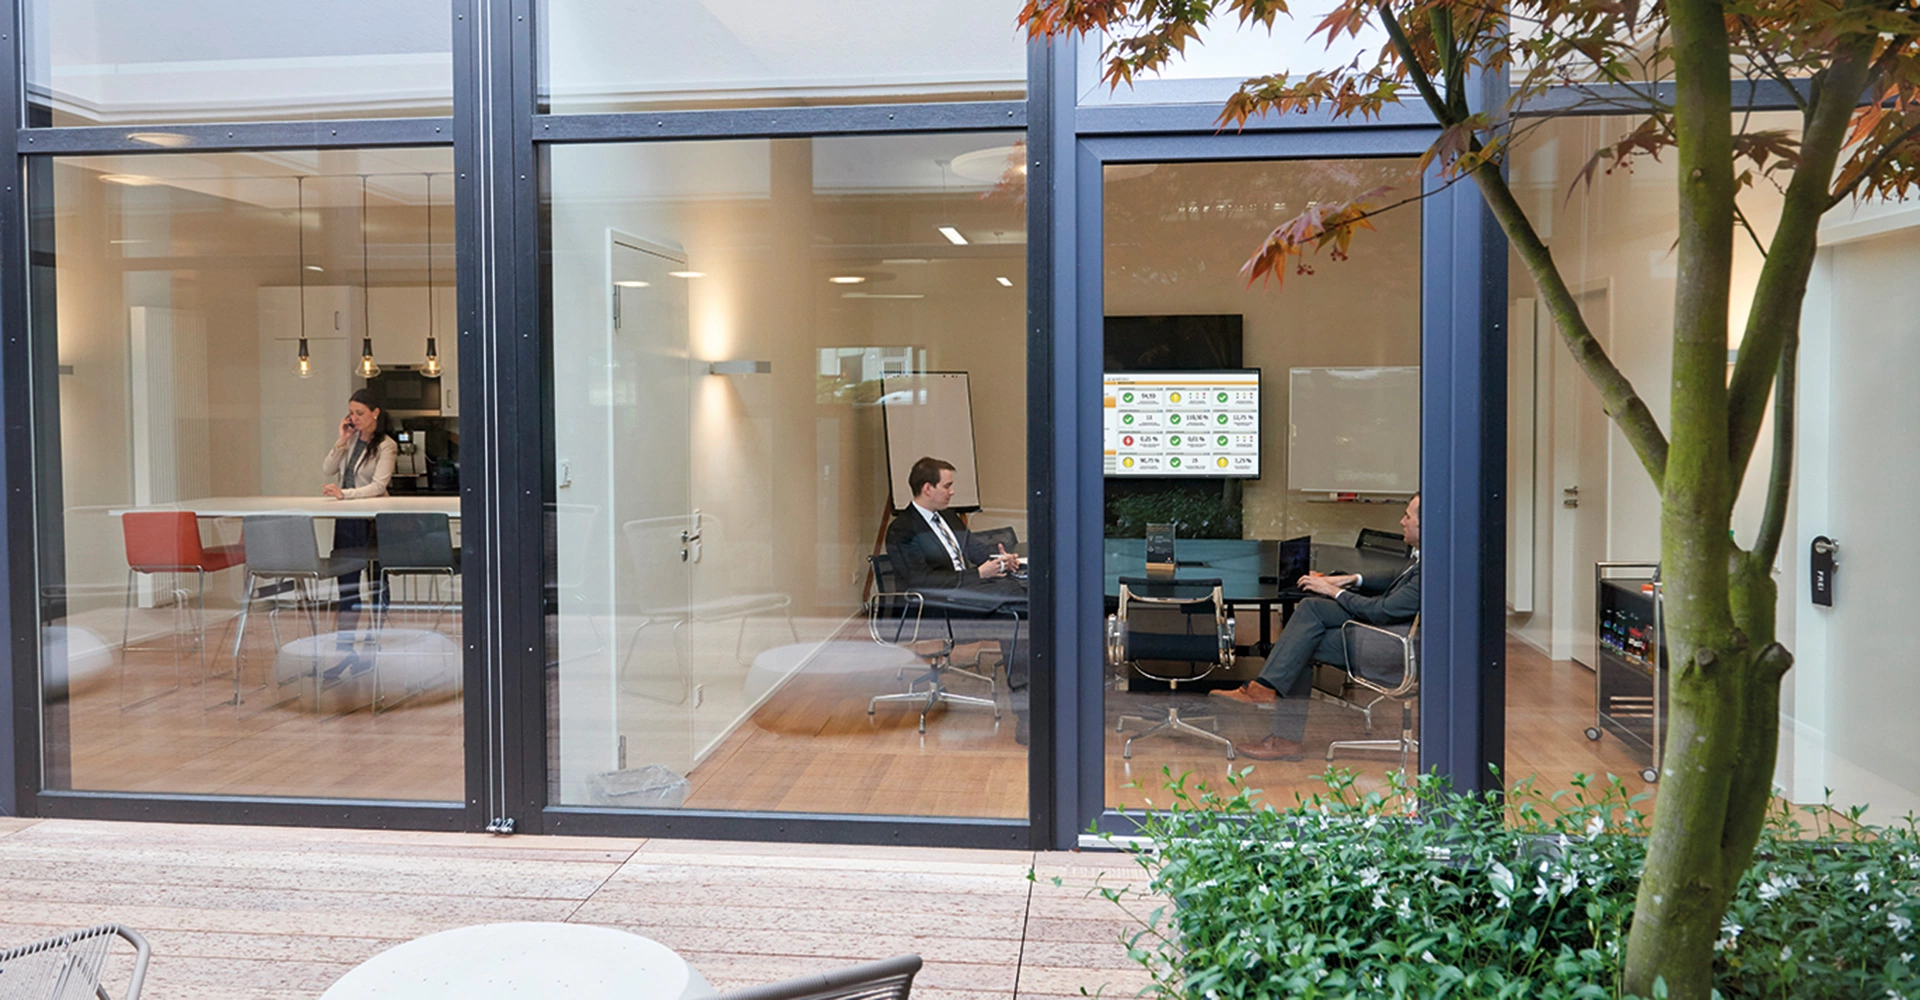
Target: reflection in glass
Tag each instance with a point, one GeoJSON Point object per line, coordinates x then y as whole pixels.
{"type": "Point", "coordinates": [743, 55]}
{"type": "Point", "coordinates": [730, 322]}
{"type": "Point", "coordinates": [112, 62]}
{"type": "Point", "coordinates": [1304, 396]}
{"type": "Point", "coordinates": [249, 573]}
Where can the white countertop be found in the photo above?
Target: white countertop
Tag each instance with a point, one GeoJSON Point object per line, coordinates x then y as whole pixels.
{"type": "Point", "coordinates": [316, 506]}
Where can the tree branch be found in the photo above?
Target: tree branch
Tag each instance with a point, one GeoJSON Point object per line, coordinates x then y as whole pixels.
{"type": "Point", "coordinates": [1415, 72]}
{"type": "Point", "coordinates": [1887, 152]}
{"type": "Point", "coordinates": [1773, 518]}
{"type": "Point", "coordinates": [1617, 395]}
{"type": "Point", "coordinates": [1782, 286]}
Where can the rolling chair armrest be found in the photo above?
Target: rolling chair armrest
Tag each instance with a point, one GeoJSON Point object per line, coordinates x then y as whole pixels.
{"type": "Point", "coordinates": [908, 599]}
{"type": "Point", "coordinates": [1226, 641]}
{"type": "Point", "coordinates": [1116, 641]}
{"type": "Point", "coordinates": [1367, 645]}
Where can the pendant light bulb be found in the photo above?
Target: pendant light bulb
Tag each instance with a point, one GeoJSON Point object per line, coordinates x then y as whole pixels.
{"type": "Point", "coordinates": [303, 365]}
{"type": "Point", "coordinates": [432, 368]}
{"type": "Point", "coordinates": [367, 369]}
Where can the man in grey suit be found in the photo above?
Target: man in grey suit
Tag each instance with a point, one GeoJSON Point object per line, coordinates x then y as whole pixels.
{"type": "Point", "coordinates": [1314, 635]}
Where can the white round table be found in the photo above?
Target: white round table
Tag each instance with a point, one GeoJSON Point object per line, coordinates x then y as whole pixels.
{"type": "Point", "coordinates": [519, 960]}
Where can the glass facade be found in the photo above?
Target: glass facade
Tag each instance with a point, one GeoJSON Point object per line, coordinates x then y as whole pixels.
{"type": "Point", "coordinates": [752, 343]}
{"type": "Point", "coordinates": [751, 55]}
{"type": "Point", "coordinates": [1272, 451]}
{"type": "Point", "coordinates": [249, 547]}
{"type": "Point", "coordinates": [122, 62]}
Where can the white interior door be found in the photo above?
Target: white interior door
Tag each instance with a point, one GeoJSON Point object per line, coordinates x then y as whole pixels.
{"type": "Point", "coordinates": [651, 496]}
{"type": "Point", "coordinates": [1581, 437]}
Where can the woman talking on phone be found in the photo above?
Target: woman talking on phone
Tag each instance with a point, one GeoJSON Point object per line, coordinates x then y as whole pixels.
{"type": "Point", "coordinates": [359, 465]}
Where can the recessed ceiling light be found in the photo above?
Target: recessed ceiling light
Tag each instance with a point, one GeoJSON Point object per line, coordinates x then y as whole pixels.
{"type": "Point", "coordinates": [122, 243]}
{"type": "Point", "coordinates": [1005, 282]}
{"type": "Point", "coordinates": [634, 284]}
{"type": "Point", "coordinates": [130, 180]}
{"type": "Point", "coordinates": [881, 295]}
{"type": "Point", "coordinates": [169, 140]}
{"type": "Point", "coordinates": [953, 236]}
{"type": "Point", "coordinates": [315, 267]}
{"type": "Point", "coordinates": [906, 260]}
{"type": "Point", "coordinates": [686, 274]}
{"type": "Point", "coordinates": [846, 279]}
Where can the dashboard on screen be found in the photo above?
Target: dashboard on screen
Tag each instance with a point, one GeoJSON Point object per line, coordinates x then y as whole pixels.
{"type": "Point", "coordinates": [1183, 423]}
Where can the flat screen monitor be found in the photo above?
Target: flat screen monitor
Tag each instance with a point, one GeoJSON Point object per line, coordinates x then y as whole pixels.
{"type": "Point", "coordinates": [1183, 424]}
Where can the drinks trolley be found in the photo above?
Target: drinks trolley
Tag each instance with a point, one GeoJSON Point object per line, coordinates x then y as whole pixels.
{"type": "Point", "coordinates": [1630, 660]}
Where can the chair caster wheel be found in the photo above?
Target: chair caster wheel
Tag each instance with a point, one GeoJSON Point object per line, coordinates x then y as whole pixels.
{"type": "Point", "coordinates": [1593, 732]}
{"type": "Point", "coordinates": [1649, 775]}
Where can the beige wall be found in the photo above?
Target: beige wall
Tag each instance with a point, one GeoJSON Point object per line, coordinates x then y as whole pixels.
{"type": "Point", "coordinates": [1176, 236]}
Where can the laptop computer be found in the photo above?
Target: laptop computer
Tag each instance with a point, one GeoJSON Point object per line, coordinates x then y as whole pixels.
{"type": "Point", "coordinates": [1296, 559]}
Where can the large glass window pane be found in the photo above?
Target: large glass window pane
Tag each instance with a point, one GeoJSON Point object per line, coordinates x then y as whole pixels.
{"type": "Point", "coordinates": [1584, 692]}
{"type": "Point", "coordinates": [1227, 52]}
{"type": "Point", "coordinates": [1274, 433]}
{"type": "Point", "coordinates": [755, 54]}
{"type": "Point", "coordinates": [123, 62]}
{"type": "Point", "coordinates": [752, 342]}
{"type": "Point", "coordinates": [215, 620]}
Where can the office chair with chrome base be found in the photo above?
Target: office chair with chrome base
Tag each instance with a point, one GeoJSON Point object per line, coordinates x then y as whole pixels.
{"type": "Point", "coordinates": [891, 612]}
{"type": "Point", "coordinates": [1170, 621]}
{"type": "Point", "coordinates": [1389, 542]}
{"type": "Point", "coordinates": [1386, 662]}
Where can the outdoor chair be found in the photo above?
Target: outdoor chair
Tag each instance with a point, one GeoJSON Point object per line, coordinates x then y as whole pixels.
{"type": "Point", "coordinates": [888, 979]}
{"type": "Point", "coordinates": [72, 965]}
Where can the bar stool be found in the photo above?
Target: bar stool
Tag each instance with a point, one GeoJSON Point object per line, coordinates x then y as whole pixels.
{"type": "Point", "coordinates": [168, 541]}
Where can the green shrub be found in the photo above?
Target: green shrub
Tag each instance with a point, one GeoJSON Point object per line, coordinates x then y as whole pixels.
{"type": "Point", "coordinates": [1344, 895]}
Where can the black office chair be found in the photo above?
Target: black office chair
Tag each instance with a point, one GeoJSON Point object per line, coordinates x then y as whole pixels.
{"type": "Point", "coordinates": [1375, 540]}
{"type": "Point", "coordinates": [1385, 661]}
{"type": "Point", "coordinates": [1002, 537]}
{"type": "Point", "coordinates": [897, 616]}
{"type": "Point", "coordinates": [1170, 621]}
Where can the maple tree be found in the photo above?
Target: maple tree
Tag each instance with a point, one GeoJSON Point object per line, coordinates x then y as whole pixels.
{"type": "Point", "coordinates": [1688, 73]}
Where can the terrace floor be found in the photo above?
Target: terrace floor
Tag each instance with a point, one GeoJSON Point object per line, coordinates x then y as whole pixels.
{"type": "Point", "coordinates": [258, 912]}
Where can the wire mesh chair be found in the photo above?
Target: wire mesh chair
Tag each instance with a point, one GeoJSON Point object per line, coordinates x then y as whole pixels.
{"type": "Point", "coordinates": [71, 966]}
{"type": "Point", "coordinates": [887, 979]}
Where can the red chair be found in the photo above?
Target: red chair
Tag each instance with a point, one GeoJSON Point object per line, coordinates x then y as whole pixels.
{"type": "Point", "coordinates": [168, 541]}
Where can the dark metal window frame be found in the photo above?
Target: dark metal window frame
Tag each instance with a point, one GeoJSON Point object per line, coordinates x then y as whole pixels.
{"type": "Point", "coordinates": [496, 133]}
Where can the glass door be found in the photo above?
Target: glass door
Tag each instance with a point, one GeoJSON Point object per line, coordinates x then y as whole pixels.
{"type": "Point", "coordinates": [629, 539]}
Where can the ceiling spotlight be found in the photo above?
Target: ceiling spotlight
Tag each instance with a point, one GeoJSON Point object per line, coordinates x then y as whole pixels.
{"type": "Point", "coordinates": [882, 295]}
{"type": "Point", "coordinates": [315, 267]}
{"type": "Point", "coordinates": [906, 260]}
{"type": "Point", "coordinates": [847, 279]}
{"type": "Point", "coordinates": [953, 236]}
{"type": "Point", "coordinates": [130, 180]}
{"type": "Point", "coordinates": [686, 274]}
{"type": "Point", "coordinates": [1005, 282]}
{"type": "Point", "coordinates": [634, 284]}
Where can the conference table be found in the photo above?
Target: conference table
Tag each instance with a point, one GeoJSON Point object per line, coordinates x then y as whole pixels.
{"type": "Point", "coordinates": [511, 961]}
{"type": "Point", "coordinates": [1246, 569]}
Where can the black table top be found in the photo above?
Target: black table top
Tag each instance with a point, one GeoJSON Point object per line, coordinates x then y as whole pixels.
{"type": "Point", "coordinates": [1244, 566]}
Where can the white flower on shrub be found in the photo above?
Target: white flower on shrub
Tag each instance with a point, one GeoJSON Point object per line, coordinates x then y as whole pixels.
{"type": "Point", "coordinates": [1776, 886]}
{"type": "Point", "coordinates": [1861, 882]}
{"type": "Point", "coordinates": [1786, 953]}
{"type": "Point", "coordinates": [1595, 825]}
{"type": "Point", "coordinates": [1503, 884]}
{"type": "Point", "coordinates": [1900, 924]}
{"type": "Point", "coordinates": [1427, 956]}
{"type": "Point", "coordinates": [1729, 936]}
{"type": "Point", "coordinates": [1369, 876]}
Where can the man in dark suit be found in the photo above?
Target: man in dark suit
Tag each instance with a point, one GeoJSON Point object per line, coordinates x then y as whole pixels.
{"type": "Point", "coordinates": [1315, 635]}
{"type": "Point", "coordinates": [935, 550]}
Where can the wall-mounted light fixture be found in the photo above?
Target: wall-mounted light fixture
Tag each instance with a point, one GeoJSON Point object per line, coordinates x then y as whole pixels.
{"type": "Point", "coordinates": [739, 367]}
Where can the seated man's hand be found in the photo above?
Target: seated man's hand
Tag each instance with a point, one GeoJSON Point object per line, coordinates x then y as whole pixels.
{"type": "Point", "coordinates": [1325, 586]}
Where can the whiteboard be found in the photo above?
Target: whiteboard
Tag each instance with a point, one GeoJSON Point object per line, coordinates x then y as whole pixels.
{"type": "Point", "coordinates": [930, 414]}
{"type": "Point", "coordinates": [1353, 430]}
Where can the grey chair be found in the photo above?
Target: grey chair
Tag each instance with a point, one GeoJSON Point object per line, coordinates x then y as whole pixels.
{"type": "Point", "coordinates": [887, 979]}
{"type": "Point", "coordinates": [1165, 622]}
{"type": "Point", "coordinates": [896, 616]}
{"type": "Point", "coordinates": [73, 965]}
{"type": "Point", "coordinates": [411, 546]}
{"type": "Point", "coordinates": [283, 553]}
{"type": "Point", "coordinates": [1385, 661]}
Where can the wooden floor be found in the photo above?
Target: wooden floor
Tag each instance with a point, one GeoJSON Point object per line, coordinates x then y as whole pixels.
{"type": "Point", "coordinates": [251, 913]}
{"type": "Point", "coordinates": [810, 747]}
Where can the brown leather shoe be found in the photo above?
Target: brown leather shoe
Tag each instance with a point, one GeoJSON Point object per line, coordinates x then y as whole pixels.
{"type": "Point", "coordinates": [1271, 748]}
{"type": "Point", "coordinates": [1251, 693]}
